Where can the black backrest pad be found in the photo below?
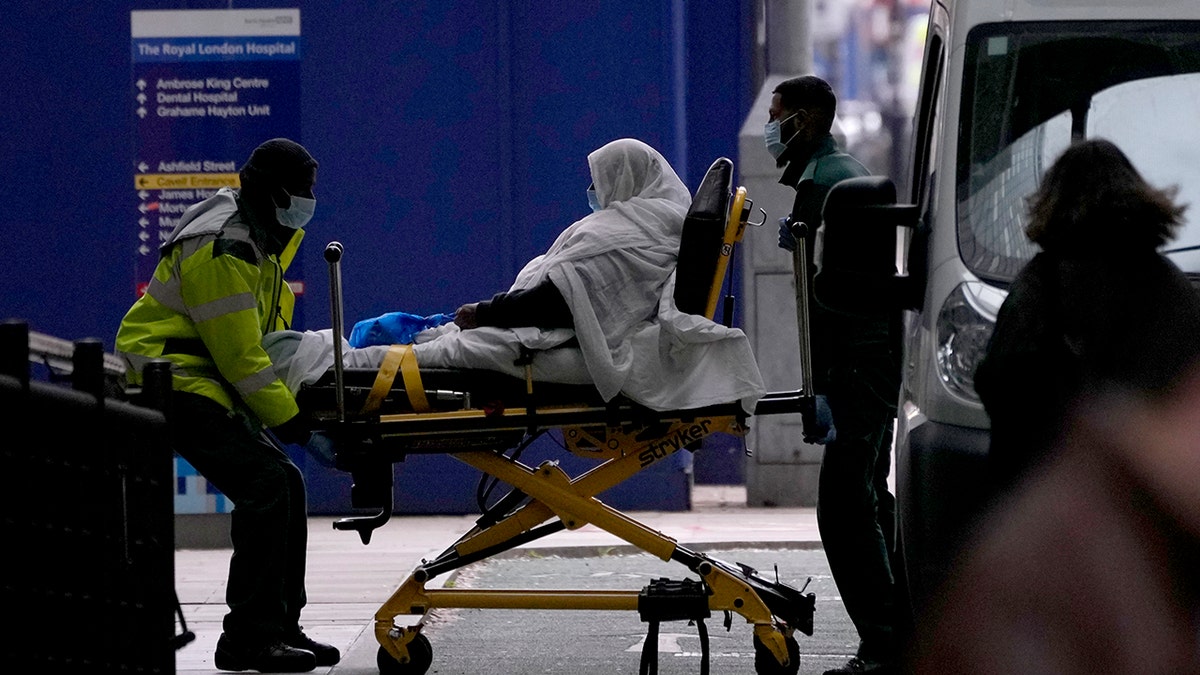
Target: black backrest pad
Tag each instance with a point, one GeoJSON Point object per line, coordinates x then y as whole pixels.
{"type": "Point", "coordinates": [703, 234]}
{"type": "Point", "coordinates": [858, 261]}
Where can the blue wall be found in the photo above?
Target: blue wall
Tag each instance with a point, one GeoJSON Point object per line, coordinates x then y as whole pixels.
{"type": "Point", "coordinates": [452, 137]}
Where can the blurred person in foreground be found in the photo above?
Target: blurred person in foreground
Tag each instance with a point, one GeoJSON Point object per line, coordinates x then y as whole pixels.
{"type": "Point", "coordinates": [1093, 564]}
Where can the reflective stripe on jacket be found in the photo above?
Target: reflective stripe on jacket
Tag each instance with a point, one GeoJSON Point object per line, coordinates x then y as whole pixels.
{"type": "Point", "coordinates": [213, 296]}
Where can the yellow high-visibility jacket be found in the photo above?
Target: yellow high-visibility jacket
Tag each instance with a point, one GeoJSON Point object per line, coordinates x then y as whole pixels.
{"type": "Point", "coordinates": [214, 294]}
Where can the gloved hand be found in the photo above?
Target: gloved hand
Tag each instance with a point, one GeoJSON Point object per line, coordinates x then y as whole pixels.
{"type": "Point", "coordinates": [323, 449]}
{"type": "Point", "coordinates": [817, 420]}
{"type": "Point", "coordinates": [292, 432]}
{"type": "Point", "coordinates": [786, 240]}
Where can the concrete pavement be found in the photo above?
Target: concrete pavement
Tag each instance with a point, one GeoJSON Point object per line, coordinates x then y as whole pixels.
{"type": "Point", "coordinates": [347, 581]}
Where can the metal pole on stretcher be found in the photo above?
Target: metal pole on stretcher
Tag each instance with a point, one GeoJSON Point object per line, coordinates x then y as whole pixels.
{"type": "Point", "coordinates": [364, 525]}
{"type": "Point", "coordinates": [800, 270]}
{"type": "Point", "coordinates": [333, 256]}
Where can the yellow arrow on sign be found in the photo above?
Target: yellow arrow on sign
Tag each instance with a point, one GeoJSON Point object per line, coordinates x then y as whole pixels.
{"type": "Point", "coordinates": [184, 181]}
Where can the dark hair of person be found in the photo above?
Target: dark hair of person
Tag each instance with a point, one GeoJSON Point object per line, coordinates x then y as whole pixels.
{"type": "Point", "coordinates": [811, 93]}
{"type": "Point", "coordinates": [1093, 198]}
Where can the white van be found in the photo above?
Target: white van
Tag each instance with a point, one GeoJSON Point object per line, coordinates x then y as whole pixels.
{"type": "Point", "coordinates": [1005, 87]}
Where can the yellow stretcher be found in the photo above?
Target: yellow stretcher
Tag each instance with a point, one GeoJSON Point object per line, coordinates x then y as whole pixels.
{"type": "Point", "coordinates": [485, 418]}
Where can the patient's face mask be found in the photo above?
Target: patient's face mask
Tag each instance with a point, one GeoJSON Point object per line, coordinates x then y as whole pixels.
{"type": "Point", "coordinates": [593, 200]}
{"type": "Point", "coordinates": [298, 214]}
{"type": "Point", "coordinates": [771, 136]}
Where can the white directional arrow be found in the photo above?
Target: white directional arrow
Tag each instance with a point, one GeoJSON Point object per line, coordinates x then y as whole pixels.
{"type": "Point", "coordinates": [143, 194]}
{"type": "Point", "coordinates": [143, 222]}
{"type": "Point", "coordinates": [667, 642]}
{"type": "Point", "coordinates": [142, 208]}
{"type": "Point", "coordinates": [141, 113]}
{"type": "Point", "coordinates": [141, 84]}
{"type": "Point", "coordinates": [144, 249]}
{"type": "Point", "coordinates": [143, 235]}
{"type": "Point", "coordinates": [141, 98]}
{"type": "Point", "coordinates": [142, 167]}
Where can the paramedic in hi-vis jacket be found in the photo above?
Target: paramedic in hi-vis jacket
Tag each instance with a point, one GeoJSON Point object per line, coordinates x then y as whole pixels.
{"type": "Point", "coordinates": [217, 290]}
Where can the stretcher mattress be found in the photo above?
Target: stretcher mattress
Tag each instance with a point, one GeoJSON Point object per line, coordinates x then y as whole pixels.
{"type": "Point", "coordinates": [675, 360]}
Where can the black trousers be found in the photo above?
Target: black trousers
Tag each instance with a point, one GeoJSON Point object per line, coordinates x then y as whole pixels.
{"type": "Point", "coordinates": [269, 522]}
{"type": "Point", "coordinates": [856, 518]}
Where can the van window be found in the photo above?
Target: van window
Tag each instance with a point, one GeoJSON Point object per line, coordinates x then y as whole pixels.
{"type": "Point", "coordinates": [1173, 102]}
{"type": "Point", "coordinates": [1030, 88]}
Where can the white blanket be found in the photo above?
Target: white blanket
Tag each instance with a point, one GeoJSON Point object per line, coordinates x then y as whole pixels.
{"type": "Point", "coordinates": [676, 361]}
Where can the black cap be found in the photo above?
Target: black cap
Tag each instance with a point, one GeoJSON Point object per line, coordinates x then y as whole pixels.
{"type": "Point", "coordinates": [279, 162]}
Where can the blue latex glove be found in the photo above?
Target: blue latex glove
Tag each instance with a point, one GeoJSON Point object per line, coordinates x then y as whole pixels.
{"type": "Point", "coordinates": [394, 328]}
{"type": "Point", "coordinates": [818, 422]}
{"type": "Point", "coordinates": [786, 240]}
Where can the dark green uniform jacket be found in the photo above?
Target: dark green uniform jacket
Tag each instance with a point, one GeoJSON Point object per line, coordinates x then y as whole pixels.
{"type": "Point", "coordinates": [844, 346]}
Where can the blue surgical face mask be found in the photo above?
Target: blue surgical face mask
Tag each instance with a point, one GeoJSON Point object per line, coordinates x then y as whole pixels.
{"type": "Point", "coordinates": [593, 200]}
{"type": "Point", "coordinates": [298, 214]}
{"type": "Point", "coordinates": [771, 136]}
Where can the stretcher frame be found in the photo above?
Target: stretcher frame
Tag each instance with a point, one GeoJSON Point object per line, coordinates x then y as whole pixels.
{"type": "Point", "coordinates": [623, 436]}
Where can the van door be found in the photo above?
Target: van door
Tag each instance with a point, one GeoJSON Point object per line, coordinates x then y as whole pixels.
{"type": "Point", "coordinates": [1028, 89]}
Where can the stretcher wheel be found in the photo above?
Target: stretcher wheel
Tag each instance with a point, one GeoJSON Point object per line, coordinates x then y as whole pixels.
{"type": "Point", "coordinates": [765, 663]}
{"type": "Point", "coordinates": [420, 654]}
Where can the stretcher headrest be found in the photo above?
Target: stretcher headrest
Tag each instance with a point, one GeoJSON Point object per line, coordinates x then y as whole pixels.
{"type": "Point", "coordinates": [703, 235]}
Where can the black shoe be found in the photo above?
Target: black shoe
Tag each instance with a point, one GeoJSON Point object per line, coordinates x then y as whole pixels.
{"type": "Point", "coordinates": [858, 666]}
{"type": "Point", "coordinates": [275, 657]}
{"type": "Point", "coordinates": [327, 655]}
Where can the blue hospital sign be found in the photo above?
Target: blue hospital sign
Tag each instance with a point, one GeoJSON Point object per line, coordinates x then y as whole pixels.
{"type": "Point", "coordinates": [208, 87]}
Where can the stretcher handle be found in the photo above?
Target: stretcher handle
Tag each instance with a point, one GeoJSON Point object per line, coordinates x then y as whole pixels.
{"type": "Point", "coordinates": [365, 525]}
{"type": "Point", "coordinates": [333, 256]}
{"type": "Point", "coordinates": [799, 231]}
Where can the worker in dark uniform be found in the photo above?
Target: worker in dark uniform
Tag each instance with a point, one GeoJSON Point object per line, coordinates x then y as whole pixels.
{"type": "Point", "coordinates": [856, 372]}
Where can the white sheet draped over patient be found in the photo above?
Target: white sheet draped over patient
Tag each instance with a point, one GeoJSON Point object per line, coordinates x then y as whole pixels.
{"type": "Point", "coordinates": [675, 361]}
{"type": "Point", "coordinates": [615, 270]}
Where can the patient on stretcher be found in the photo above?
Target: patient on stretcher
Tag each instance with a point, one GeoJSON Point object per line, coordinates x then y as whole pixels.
{"type": "Point", "coordinates": [597, 307]}
{"type": "Point", "coordinates": [605, 270]}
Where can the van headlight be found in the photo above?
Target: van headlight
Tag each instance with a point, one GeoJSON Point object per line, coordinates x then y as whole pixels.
{"type": "Point", "coordinates": [963, 328]}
